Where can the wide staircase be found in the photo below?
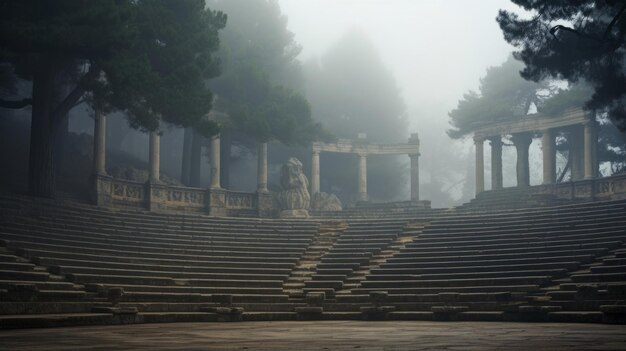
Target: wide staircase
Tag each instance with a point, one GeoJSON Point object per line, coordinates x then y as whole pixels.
{"type": "Point", "coordinates": [63, 263]}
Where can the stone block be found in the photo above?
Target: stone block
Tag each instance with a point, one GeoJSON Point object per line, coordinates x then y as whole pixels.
{"type": "Point", "coordinates": [114, 294]}
{"type": "Point", "coordinates": [223, 299]}
{"type": "Point", "coordinates": [376, 313]}
{"type": "Point", "coordinates": [613, 314]}
{"type": "Point", "coordinates": [586, 292]}
{"type": "Point", "coordinates": [217, 202]}
{"type": "Point", "coordinates": [448, 297]}
{"type": "Point", "coordinates": [616, 291]}
{"type": "Point", "coordinates": [315, 298]}
{"type": "Point", "coordinates": [378, 297]}
{"type": "Point", "coordinates": [447, 313]}
{"type": "Point", "coordinates": [309, 312]}
{"type": "Point", "coordinates": [115, 310]}
{"type": "Point", "coordinates": [22, 292]}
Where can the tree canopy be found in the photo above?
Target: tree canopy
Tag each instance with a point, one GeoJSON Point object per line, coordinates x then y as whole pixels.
{"type": "Point", "coordinates": [261, 75]}
{"type": "Point", "coordinates": [149, 59]}
{"type": "Point", "coordinates": [502, 95]}
{"type": "Point", "coordinates": [574, 40]}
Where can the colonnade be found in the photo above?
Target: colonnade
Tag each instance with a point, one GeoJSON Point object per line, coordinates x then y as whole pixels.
{"type": "Point", "coordinates": [362, 151]}
{"type": "Point", "coordinates": [583, 145]}
{"type": "Point", "coordinates": [154, 156]}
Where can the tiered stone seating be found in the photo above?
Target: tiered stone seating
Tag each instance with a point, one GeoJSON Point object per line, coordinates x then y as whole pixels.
{"type": "Point", "coordinates": [163, 263]}
{"type": "Point", "coordinates": [491, 258]}
{"type": "Point", "coordinates": [94, 265]}
{"type": "Point", "coordinates": [353, 249]}
{"type": "Point", "coordinates": [598, 289]}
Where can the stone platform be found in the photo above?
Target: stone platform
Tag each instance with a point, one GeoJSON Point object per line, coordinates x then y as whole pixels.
{"type": "Point", "coordinates": [328, 335]}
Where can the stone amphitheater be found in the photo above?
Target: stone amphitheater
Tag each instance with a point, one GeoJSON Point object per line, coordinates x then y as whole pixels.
{"type": "Point", "coordinates": [500, 258]}
{"type": "Point", "coordinates": [374, 276]}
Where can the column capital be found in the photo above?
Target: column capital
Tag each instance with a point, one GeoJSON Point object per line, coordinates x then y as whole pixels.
{"type": "Point", "coordinates": [495, 140]}
{"type": "Point", "coordinates": [478, 139]}
{"type": "Point", "coordinates": [522, 139]}
{"type": "Point", "coordinates": [315, 152]}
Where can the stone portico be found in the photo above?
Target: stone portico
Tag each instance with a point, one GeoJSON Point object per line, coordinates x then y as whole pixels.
{"type": "Point", "coordinates": [580, 125]}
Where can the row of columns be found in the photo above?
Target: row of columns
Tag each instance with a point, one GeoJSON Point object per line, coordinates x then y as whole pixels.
{"type": "Point", "coordinates": [362, 175]}
{"type": "Point", "coordinates": [584, 164]}
{"type": "Point", "coordinates": [154, 156]}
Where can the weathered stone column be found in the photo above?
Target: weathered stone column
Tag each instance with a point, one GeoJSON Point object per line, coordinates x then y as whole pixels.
{"type": "Point", "coordinates": [215, 162]}
{"type": "Point", "coordinates": [480, 164]}
{"type": "Point", "coordinates": [99, 143]}
{"type": "Point", "coordinates": [262, 168]}
{"type": "Point", "coordinates": [362, 177]}
{"type": "Point", "coordinates": [549, 157]}
{"type": "Point", "coordinates": [496, 162]}
{"type": "Point", "coordinates": [522, 143]}
{"type": "Point", "coordinates": [576, 141]}
{"type": "Point", "coordinates": [415, 177]}
{"type": "Point", "coordinates": [154, 157]}
{"type": "Point", "coordinates": [590, 140]}
{"type": "Point", "coordinates": [315, 172]}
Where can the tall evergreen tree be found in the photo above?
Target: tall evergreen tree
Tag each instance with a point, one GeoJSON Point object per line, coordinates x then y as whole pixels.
{"type": "Point", "coordinates": [583, 39]}
{"type": "Point", "coordinates": [149, 59]}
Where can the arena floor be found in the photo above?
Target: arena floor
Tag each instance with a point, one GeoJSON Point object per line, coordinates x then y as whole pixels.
{"type": "Point", "coordinates": [322, 335]}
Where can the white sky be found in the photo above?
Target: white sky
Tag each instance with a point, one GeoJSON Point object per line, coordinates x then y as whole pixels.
{"type": "Point", "coordinates": [437, 50]}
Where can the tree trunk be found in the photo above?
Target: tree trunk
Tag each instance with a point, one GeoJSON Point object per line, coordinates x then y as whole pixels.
{"type": "Point", "coordinates": [41, 178]}
{"type": "Point", "coordinates": [195, 160]}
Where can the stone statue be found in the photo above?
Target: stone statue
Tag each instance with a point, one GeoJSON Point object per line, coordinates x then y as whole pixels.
{"type": "Point", "coordinates": [294, 200]}
{"type": "Point", "coordinates": [325, 202]}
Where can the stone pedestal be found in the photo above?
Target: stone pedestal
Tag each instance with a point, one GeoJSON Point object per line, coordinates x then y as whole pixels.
{"type": "Point", "coordinates": [156, 197]}
{"type": "Point", "coordinates": [102, 190]}
{"type": "Point", "coordinates": [265, 204]}
{"type": "Point", "coordinates": [216, 199]}
{"type": "Point", "coordinates": [299, 213]}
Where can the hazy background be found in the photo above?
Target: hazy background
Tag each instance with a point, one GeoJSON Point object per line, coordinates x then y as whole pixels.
{"type": "Point", "coordinates": [436, 50]}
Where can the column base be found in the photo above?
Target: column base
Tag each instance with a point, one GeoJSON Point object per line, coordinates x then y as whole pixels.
{"type": "Point", "coordinates": [265, 204]}
{"type": "Point", "coordinates": [102, 188]}
{"type": "Point", "coordinates": [294, 213]}
{"type": "Point", "coordinates": [156, 197]}
{"type": "Point", "coordinates": [216, 205]}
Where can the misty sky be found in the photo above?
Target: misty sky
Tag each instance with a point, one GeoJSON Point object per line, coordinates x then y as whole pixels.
{"type": "Point", "coordinates": [437, 50]}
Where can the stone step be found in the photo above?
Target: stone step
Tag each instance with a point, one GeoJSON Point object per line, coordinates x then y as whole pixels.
{"type": "Point", "coordinates": [451, 283]}
{"type": "Point", "coordinates": [456, 289]}
{"type": "Point", "coordinates": [43, 307]}
{"type": "Point", "coordinates": [23, 275]}
{"type": "Point", "coordinates": [167, 274]}
{"type": "Point", "coordinates": [476, 269]}
{"type": "Point", "coordinates": [85, 264]}
{"type": "Point", "coordinates": [599, 278]}
{"type": "Point", "coordinates": [442, 257]}
{"type": "Point", "coordinates": [33, 253]}
{"type": "Point", "coordinates": [219, 256]}
{"type": "Point", "coordinates": [16, 266]}
{"type": "Point", "coordinates": [41, 285]}
{"type": "Point", "coordinates": [538, 259]}
{"type": "Point", "coordinates": [608, 269]}
{"type": "Point", "coordinates": [467, 275]}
